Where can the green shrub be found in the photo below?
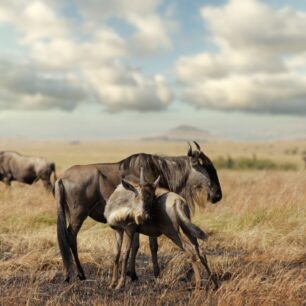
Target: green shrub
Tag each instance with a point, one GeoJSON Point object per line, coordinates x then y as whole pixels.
{"type": "Point", "coordinates": [245, 163]}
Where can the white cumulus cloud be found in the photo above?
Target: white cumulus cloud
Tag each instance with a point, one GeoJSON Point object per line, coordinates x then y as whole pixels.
{"type": "Point", "coordinates": [64, 61]}
{"type": "Point", "coordinates": [259, 65]}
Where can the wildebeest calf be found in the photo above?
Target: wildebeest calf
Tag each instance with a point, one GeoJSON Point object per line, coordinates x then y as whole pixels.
{"type": "Point", "coordinates": [140, 207]}
{"type": "Point", "coordinates": [25, 169]}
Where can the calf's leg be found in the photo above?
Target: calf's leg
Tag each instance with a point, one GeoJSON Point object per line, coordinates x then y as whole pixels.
{"type": "Point", "coordinates": [203, 258]}
{"type": "Point", "coordinates": [154, 249]}
{"type": "Point", "coordinates": [126, 247]}
{"type": "Point", "coordinates": [135, 246]}
{"type": "Point", "coordinates": [187, 248]}
{"type": "Point", "coordinates": [117, 249]}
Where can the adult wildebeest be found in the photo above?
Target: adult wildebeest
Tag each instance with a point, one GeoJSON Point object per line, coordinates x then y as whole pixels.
{"type": "Point", "coordinates": [82, 191]}
{"type": "Point", "coordinates": [25, 169]}
{"type": "Point", "coordinates": [304, 159]}
{"type": "Point", "coordinates": [140, 207]}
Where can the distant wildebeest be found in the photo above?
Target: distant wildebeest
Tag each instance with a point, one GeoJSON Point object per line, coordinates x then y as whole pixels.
{"type": "Point", "coordinates": [82, 191]}
{"type": "Point", "coordinates": [25, 169]}
{"type": "Point", "coordinates": [304, 159]}
{"type": "Point", "coordinates": [140, 207]}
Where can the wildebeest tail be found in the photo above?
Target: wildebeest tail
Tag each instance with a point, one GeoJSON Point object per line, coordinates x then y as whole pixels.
{"type": "Point", "coordinates": [185, 222]}
{"type": "Point", "coordinates": [53, 177]}
{"type": "Point", "coordinates": [62, 232]}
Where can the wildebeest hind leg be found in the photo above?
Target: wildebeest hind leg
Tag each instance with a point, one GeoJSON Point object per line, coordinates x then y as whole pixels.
{"type": "Point", "coordinates": [7, 181]}
{"type": "Point", "coordinates": [203, 259]}
{"type": "Point", "coordinates": [186, 247]}
{"type": "Point", "coordinates": [73, 230]}
{"type": "Point", "coordinates": [204, 262]}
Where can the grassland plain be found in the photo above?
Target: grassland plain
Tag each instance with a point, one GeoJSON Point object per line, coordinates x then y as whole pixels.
{"type": "Point", "coordinates": [257, 233]}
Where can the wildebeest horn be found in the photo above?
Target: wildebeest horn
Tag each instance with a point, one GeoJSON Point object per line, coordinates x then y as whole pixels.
{"type": "Point", "coordinates": [141, 176]}
{"type": "Point", "coordinates": [197, 145]}
{"type": "Point", "coordinates": [156, 182]}
{"type": "Point", "coordinates": [189, 150]}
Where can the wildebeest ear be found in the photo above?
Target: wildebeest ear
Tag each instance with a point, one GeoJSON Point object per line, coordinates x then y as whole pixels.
{"type": "Point", "coordinates": [2, 171]}
{"type": "Point", "coordinates": [156, 182]}
{"type": "Point", "coordinates": [128, 186]}
{"type": "Point", "coordinates": [194, 159]}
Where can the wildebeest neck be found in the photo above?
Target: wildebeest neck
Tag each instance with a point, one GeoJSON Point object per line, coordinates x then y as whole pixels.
{"type": "Point", "coordinates": [173, 170]}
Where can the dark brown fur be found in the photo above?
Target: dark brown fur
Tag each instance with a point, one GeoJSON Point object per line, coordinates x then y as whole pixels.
{"type": "Point", "coordinates": [25, 169]}
{"type": "Point", "coordinates": [82, 191]}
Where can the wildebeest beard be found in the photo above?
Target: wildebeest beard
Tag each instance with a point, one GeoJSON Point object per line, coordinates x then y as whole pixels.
{"type": "Point", "coordinates": [174, 173]}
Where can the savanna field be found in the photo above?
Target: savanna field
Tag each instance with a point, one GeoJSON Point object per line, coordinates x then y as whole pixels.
{"type": "Point", "coordinates": [257, 233]}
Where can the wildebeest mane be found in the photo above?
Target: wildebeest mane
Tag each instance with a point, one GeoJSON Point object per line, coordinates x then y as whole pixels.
{"type": "Point", "coordinates": [173, 171]}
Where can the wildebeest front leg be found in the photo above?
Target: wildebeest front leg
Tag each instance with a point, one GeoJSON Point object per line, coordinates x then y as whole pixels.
{"type": "Point", "coordinates": [7, 180]}
{"type": "Point", "coordinates": [44, 176]}
{"type": "Point", "coordinates": [126, 247]}
{"type": "Point", "coordinates": [117, 249]}
{"type": "Point", "coordinates": [154, 249]}
{"type": "Point", "coordinates": [135, 246]}
{"type": "Point", "coordinates": [47, 184]}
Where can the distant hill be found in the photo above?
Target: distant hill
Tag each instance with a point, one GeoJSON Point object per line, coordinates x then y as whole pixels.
{"type": "Point", "coordinates": [183, 133]}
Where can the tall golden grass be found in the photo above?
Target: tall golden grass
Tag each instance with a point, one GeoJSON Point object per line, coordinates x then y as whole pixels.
{"type": "Point", "coordinates": [257, 235]}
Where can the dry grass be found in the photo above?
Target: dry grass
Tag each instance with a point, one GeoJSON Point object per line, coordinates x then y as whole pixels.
{"type": "Point", "coordinates": [257, 233]}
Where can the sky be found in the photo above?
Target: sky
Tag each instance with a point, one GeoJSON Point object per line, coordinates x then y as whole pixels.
{"type": "Point", "coordinates": [100, 69]}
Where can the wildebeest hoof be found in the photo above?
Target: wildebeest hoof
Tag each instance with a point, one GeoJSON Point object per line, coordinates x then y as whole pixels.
{"type": "Point", "coordinates": [214, 278]}
{"type": "Point", "coordinates": [188, 276]}
{"type": "Point", "coordinates": [67, 279]}
{"type": "Point", "coordinates": [133, 276]}
{"type": "Point", "coordinates": [119, 286]}
{"type": "Point", "coordinates": [112, 285]}
{"type": "Point", "coordinates": [226, 276]}
{"type": "Point", "coordinates": [81, 277]}
{"type": "Point", "coordinates": [156, 273]}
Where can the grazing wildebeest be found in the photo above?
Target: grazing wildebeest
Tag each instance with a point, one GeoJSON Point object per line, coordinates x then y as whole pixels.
{"type": "Point", "coordinates": [25, 169]}
{"type": "Point", "coordinates": [140, 207]}
{"type": "Point", "coordinates": [82, 191]}
{"type": "Point", "coordinates": [304, 159]}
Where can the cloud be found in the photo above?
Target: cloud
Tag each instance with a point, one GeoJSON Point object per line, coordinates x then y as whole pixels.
{"type": "Point", "coordinates": [68, 53]}
{"type": "Point", "coordinates": [259, 65]}
{"type": "Point", "coordinates": [122, 88]}
{"type": "Point", "coordinates": [151, 31]}
{"type": "Point", "coordinates": [22, 87]}
{"type": "Point", "coordinates": [68, 60]}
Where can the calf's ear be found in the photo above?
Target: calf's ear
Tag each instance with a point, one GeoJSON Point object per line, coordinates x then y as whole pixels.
{"type": "Point", "coordinates": [128, 186]}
